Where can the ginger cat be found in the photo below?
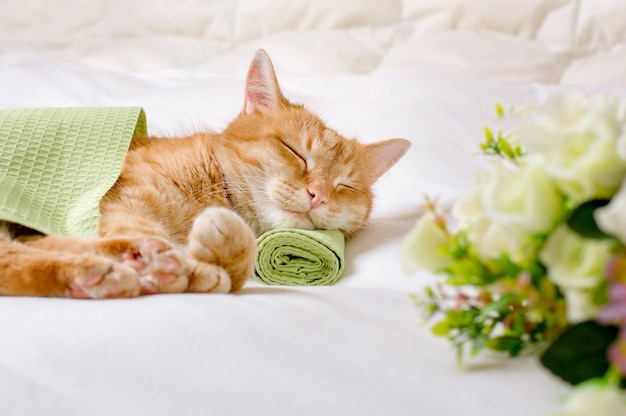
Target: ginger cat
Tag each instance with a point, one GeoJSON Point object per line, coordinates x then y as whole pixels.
{"type": "Point", "coordinates": [184, 212]}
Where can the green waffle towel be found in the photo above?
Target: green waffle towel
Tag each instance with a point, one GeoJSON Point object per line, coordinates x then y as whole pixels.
{"type": "Point", "coordinates": [56, 164]}
{"type": "Point", "coordinates": [300, 257]}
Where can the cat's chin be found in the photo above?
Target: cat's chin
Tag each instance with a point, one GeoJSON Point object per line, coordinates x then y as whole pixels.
{"type": "Point", "coordinates": [295, 220]}
{"type": "Point", "coordinates": [282, 218]}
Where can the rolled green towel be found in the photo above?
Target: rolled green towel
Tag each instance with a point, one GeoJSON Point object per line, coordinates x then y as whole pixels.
{"type": "Point", "coordinates": [56, 164]}
{"type": "Point", "coordinates": [300, 257]}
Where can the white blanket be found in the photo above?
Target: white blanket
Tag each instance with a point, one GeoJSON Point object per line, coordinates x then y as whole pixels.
{"type": "Point", "coordinates": [429, 71]}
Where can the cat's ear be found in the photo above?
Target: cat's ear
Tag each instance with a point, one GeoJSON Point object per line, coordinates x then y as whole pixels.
{"type": "Point", "coordinates": [262, 91]}
{"type": "Point", "coordinates": [383, 155]}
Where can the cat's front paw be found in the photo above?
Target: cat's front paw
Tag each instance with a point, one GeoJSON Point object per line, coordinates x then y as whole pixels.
{"type": "Point", "coordinates": [209, 278]}
{"type": "Point", "coordinates": [161, 268]}
{"type": "Point", "coordinates": [220, 237]}
{"type": "Point", "coordinates": [101, 280]}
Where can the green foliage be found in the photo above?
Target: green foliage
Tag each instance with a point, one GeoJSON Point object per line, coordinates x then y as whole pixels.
{"type": "Point", "coordinates": [499, 111]}
{"type": "Point", "coordinates": [500, 146]}
{"type": "Point", "coordinates": [583, 222]}
{"type": "Point", "coordinates": [584, 345]}
{"type": "Point", "coordinates": [498, 304]}
{"type": "Point", "coordinates": [513, 345]}
{"type": "Point", "coordinates": [601, 293]}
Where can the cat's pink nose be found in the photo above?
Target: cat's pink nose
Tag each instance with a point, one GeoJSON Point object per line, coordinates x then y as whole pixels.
{"type": "Point", "coordinates": [317, 197]}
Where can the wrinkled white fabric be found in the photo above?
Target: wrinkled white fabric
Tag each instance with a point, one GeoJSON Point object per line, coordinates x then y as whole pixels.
{"type": "Point", "coordinates": [541, 41]}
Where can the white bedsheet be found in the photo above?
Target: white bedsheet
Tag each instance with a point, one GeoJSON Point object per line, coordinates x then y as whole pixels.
{"type": "Point", "coordinates": [427, 71]}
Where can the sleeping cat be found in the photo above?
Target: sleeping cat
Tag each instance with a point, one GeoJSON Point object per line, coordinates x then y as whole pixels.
{"type": "Point", "coordinates": [184, 213]}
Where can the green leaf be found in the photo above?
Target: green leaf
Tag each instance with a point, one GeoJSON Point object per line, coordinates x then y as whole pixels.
{"type": "Point", "coordinates": [500, 306]}
{"type": "Point", "coordinates": [478, 344]}
{"type": "Point", "coordinates": [505, 147]}
{"type": "Point", "coordinates": [582, 221]}
{"type": "Point", "coordinates": [503, 265]}
{"type": "Point", "coordinates": [518, 327]}
{"type": "Point", "coordinates": [488, 136]}
{"type": "Point", "coordinates": [441, 328]}
{"type": "Point", "coordinates": [499, 110]}
{"type": "Point", "coordinates": [512, 345]}
{"type": "Point", "coordinates": [579, 353]}
{"type": "Point", "coordinates": [601, 293]}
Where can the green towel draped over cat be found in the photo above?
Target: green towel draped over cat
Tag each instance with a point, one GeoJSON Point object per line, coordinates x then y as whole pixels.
{"type": "Point", "coordinates": [300, 257]}
{"type": "Point", "coordinates": [56, 164]}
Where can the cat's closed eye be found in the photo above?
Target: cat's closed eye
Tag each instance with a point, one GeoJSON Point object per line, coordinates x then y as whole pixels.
{"type": "Point", "coordinates": [345, 187]}
{"type": "Point", "coordinates": [301, 159]}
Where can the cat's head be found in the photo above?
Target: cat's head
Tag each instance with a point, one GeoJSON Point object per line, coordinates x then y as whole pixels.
{"type": "Point", "coordinates": [295, 171]}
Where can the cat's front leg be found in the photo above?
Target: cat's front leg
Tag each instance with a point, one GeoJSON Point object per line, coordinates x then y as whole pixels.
{"type": "Point", "coordinates": [225, 248]}
{"type": "Point", "coordinates": [30, 271]}
{"type": "Point", "coordinates": [160, 267]}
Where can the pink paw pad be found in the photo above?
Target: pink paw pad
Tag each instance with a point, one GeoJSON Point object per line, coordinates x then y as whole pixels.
{"type": "Point", "coordinates": [114, 281]}
{"type": "Point", "coordinates": [160, 267]}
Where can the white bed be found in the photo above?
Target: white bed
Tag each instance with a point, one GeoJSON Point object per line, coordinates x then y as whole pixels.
{"type": "Point", "coordinates": [430, 71]}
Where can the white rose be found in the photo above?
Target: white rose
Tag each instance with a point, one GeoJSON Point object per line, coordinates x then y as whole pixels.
{"type": "Point", "coordinates": [594, 398]}
{"type": "Point", "coordinates": [575, 137]}
{"type": "Point", "coordinates": [521, 196]}
{"type": "Point", "coordinates": [491, 239]}
{"type": "Point", "coordinates": [576, 265]}
{"type": "Point", "coordinates": [612, 218]}
{"type": "Point", "coordinates": [579, 305]}
{"type": "Point", "coordinates": [420, 248]}
{"type": "Point", "coordinates": [507, 204]}
{"type": "Point", "coordinates": [469, 208]}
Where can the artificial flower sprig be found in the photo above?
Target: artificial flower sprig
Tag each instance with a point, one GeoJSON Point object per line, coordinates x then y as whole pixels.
{"type": "Point", "coordinates": [494, 303]}
{"type": "Point", "coordinates": [533, 254]}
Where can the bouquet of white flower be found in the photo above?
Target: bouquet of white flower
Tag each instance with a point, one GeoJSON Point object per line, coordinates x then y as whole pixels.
{"type": "Point", "coordinates": [533, 256]}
